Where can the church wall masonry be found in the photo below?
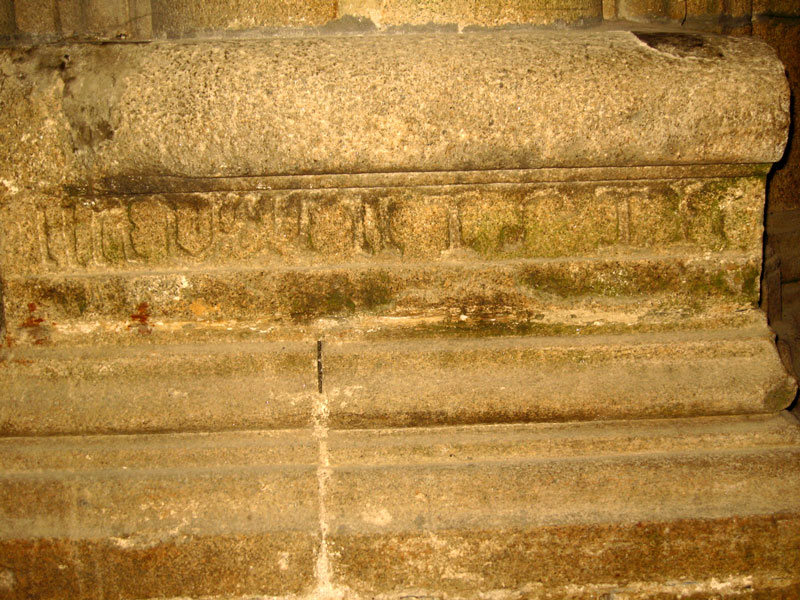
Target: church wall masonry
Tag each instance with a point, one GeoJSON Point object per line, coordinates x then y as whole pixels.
{"type": "Point", "coordinates": [442, 299]}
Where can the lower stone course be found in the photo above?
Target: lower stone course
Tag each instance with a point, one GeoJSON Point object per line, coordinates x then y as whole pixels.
{"type": "Point", "coordinates": [527, 511]}
{"type": "Point", "coordinates": [399, 382]}
{"type": "Point", "coordinates": [41, 309]}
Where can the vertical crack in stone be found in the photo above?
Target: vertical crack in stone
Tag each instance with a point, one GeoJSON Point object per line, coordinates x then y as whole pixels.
{"type": "Point", "coordinates": [325, 589]}
{"type": "Point", "coordinates": [319, 366]}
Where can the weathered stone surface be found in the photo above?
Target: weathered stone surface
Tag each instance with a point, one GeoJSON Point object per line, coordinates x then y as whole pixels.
{"type": "Point", "coordinates": [776, 8]}
{"type": "Point", "coordinates": [159, 516]}
{"type": "Point", "coordinates": [657, 560]}
{"type": "Point", "coordinates": [690, 216]}
{"type": "Point", "coordinates": [35, 137]}
{"type": "Point", "coordinates": [447, 518]}
{"type": "Point", "coordinates": [232, 566]}
{"type": "Point", "coordinates": [373, 383]}
{"type": "Point", "coordinates": [48, 20]}
{"type": "Point", "coordinates": [7, 21]}
{"type": "Point", "coordinates": [465, 13]}
{"type": "Point", "coordinates": [427, 382]}
{"type": "Point", "coordinates": [329, 105]}
{"type": "Point", "coordinates": [37, 17]}
{"type": "Point", "coordinates": [723, 16]}
{"type": "Point", "coordinates": [159, 388]}
{"type": "Point", "coordinates": [656, 503]}
{"type": "Point", "coordinates": [664, 291]}
{"type": "Point", "coordinates": [175, 17]}
{"type": "Point", "coordinates": [114, 19]}
{"type": "Point", "coordinates": [182, 222]}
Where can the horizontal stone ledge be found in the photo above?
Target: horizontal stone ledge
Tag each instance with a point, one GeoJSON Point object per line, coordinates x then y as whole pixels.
{"type": "Point", "coordinates": [400, 383]}
{"type": "Point", "coordinates": [528, 557]}
{"type": "Point", "coordinates": [422, 383]}
{"type": "Point", "coordinates": [360, 104]}
{"type": "Point", "coordinates": [690, 217]}
{"type": "Point", "coordinates": [634, 290]}
{"type": "Point", "coordinates": [189, 515]}
{"type": "Point", "coordinates": [449, 498]}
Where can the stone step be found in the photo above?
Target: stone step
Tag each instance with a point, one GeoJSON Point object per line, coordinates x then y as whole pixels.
{"type": "Point", "coordinates": [665, 291]}
{"type": "Point", "coordinates": [390, 382]}
{"type": "Point", "coordinates": [690, 506]}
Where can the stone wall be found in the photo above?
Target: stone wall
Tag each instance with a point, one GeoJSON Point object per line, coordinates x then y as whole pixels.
{"type": "Point", "coordinates": [776, 21]}
{"type": "Point", "coordinates": [406, 314]}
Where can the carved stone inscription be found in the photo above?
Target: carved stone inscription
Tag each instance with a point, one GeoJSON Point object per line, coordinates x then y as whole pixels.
{"type": "Point", "coordinates": [306, 227]}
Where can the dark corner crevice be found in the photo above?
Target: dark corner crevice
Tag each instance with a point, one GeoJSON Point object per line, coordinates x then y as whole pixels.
{"type": "Point", "coordinates": [2, 312]}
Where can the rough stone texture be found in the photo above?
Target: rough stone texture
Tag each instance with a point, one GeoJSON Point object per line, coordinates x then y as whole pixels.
{"type": "Point", "coordinates": [485, 228]}
{"type": "Point", "coordinates": [36, 17]}
{"type": "Point", "coordinates": [406, 512]}
{"type": "Point", "coordinates": [577, 561]}
{"type": "Point", "coordinates": [35, 139]}
{"type": "Point", "coordinates": [7, 21]}
{"type": "Point", "coordinates": [399, 506]}
{"type": "Point", "coordinates": [629, 293]}
{"type": "Point", "coordinates": [176, 17]}
{"type": "Point", "coordinates": [690, 216]}
{"type": "Point", "coordinates": [46, 20]}
{"type": "Point", "coordinates": [730, 17]}
{"type": "Point", "coordinates": [677, 10]}
{"type": "Point", "coordinates": [776, 8]}
{"type": "Point", "coordinates": [159, 516]}
{"type": "Point", "coordinates": [466, 12]}
{"type": "Point", "coordinates": [374, 383]}
{"type": "Point", "coordinates": [330, 107]}
{"type": "Point", "coordinates": [159, 388]}
{"type": "Point", "coordinates": [522, 380]}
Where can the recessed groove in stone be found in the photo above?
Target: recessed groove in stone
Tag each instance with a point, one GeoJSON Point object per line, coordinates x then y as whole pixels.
{"type": "Point", "coordinates": [158, 184]}
{"type": "Point", "coordinates": [319, 366]}
{"type": "Point", "coordinates": [533, 258]}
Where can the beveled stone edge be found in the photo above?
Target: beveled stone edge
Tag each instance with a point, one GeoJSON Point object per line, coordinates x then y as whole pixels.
{"type": "Point", "coordinates": [165, 184]}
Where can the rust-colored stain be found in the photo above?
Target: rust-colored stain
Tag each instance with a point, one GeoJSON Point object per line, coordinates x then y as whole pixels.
{"type": "Point", "coordinates": [32, 320]}
{"type": "Point", "coordinates": [33, 324]}
{"type": "Point", "coordinates": [142, 313]}
{"type": "Point", "coordinates": [140, 319]}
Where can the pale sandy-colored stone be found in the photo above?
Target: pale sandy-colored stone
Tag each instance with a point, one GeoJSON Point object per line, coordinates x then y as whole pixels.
{"type": "Point", "coordinates": [562, 510]}
{"type": "Point", "coordinates": [331, 291]}
{"type": "Point", "coordinates": [386, 103]}
{"type": "Point", "coordinates": [175, 17]}
{"type": "Point", "coordinates": [387, 13]}
{"type": "Point", "coordinates": [400, 382]}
